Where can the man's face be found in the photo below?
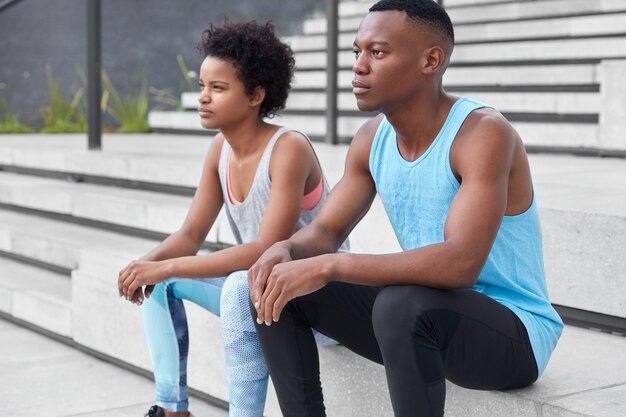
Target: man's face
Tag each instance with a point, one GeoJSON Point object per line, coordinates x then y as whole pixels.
{"type": "Point", "coordinates": [389, 53]}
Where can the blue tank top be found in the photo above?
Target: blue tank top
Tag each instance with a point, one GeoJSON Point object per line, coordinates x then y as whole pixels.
{"type": "Point", "coordinates": [417, 195]}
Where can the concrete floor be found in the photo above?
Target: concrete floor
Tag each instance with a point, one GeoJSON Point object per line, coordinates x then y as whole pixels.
{"type": "Point", "coordinates": [41, 377]}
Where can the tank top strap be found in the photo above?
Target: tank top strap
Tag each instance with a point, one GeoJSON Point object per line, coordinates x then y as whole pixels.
{"type": "Point", "coordinates": [458, 113]}
{"type": "Point", "coordinates": [267, 153]}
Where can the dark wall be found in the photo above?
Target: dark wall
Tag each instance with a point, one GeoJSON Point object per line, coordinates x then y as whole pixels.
{"type": "Point", "coordinates": [139, 37]}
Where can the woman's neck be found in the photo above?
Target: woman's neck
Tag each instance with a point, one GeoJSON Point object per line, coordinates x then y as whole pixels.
{"type": "Point", "coordinates": [248, 137]}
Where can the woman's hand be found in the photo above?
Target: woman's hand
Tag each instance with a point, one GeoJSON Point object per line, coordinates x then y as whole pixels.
{"type": "Point", "coordinates": [138, 274]}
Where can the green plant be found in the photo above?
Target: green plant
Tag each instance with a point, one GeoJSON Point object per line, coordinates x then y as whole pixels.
{"type": "Point", "coordinates": [189, 77]}
{"type": "Point", "coordinates": [62, 115]}
{"type": "Point", "coordinates": [165, 99]}
{"type": "Point", "coordinates": [9, 120]}
{"type": "Point", "coordinates": [168, 98]}
{"type": "Point", "coordinates": [130, 112]}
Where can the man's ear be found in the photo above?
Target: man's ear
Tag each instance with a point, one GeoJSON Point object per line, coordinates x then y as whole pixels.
{"type": "Point", "coordinates": [257, 96]}
{"type": "Point", "coordinates": [434, 60]}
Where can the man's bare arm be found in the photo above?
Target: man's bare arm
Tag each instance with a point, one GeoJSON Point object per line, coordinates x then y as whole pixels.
{"type": "Point", "coordinates": [471, 225]}
{"type": "Point", "coordinates": [345, 206]}
{"type": "Point", "coordinates": [470, 229]}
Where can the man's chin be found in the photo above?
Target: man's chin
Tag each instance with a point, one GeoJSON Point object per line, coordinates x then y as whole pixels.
{"type": "Point", "coordinates": [365, 106]}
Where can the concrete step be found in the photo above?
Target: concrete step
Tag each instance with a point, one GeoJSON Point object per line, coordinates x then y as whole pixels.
{"type": "Point", "coordinates": [558, 27]}
{"type": "Point", "coordinates": [530, 10]}
{"type": "Point", "coordinates": [139, 209]}
{"type": "Point", "coordinates": [584, 378]}
{"type": "Point", "coordinates": [59, 243]}
{"type": "Point", "coordinates": [542, 134]}
{"type": "Point", "coordinates": [585, 361]}
{"type": "Point", "coordinates": [551, 50]}
{"type": "Point", "coordinates": [586, 364]}
{"type": "Point", "coordinates": [129, 157]}
{"type": "Point", "coordinates": [471, 11]}
{"type": "Point", "coordinates": [533, 76]}
{"type": "Point", "coordinates": [505, 101]}
{"type": "Point", "coordinates": [577, 197]}
{"type": "Point", "coordinates": [42, 377]}
{"type": "Point", "coordinates": [37, 296]}
{"type": "Point", "coordinates": [312, 125]}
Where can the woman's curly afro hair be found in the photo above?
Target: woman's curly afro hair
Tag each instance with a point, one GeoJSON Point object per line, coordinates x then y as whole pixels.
{"type": "Point", "coordinates": [260, 58]}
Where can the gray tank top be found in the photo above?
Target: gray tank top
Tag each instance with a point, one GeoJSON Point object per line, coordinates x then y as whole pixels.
{"type": "Point", "coordinates": [245, 218]}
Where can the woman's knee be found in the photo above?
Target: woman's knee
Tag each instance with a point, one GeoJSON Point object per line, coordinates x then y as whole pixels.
{"type": "Point", "coordinates": [235, 305]}
{"type": "Point", "coordinates": [236, 287]}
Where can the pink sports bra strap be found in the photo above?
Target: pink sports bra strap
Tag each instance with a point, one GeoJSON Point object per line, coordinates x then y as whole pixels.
{"type": "Point", "coordinates": [312, 199]}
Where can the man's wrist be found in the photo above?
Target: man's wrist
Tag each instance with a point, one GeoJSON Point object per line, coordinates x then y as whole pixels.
{"type": "Point", "coordinates": [330, 267]}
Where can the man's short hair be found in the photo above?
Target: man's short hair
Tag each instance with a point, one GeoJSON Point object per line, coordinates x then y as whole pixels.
{"type": "Point", "coordinates": [426, 12]}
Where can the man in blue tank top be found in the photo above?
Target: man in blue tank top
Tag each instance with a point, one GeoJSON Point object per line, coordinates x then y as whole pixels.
{"type": "Point", "coordinates": [466, 298]}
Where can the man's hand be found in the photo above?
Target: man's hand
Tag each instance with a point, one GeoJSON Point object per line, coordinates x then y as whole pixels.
{"type": "Point", "coordinates": [289, 280]}
{"type": "Point", "coordinates": [259, 272]}
{"type": "Point", "coordinates": [137, 274]}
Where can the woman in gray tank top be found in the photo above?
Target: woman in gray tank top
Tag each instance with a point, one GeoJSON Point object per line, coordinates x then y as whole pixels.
{"type": "Point", "coordinates": [270, 183]}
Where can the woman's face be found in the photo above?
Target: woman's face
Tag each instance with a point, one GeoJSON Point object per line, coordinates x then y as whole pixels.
{"type": "Point", "coordinates": [223, 99]}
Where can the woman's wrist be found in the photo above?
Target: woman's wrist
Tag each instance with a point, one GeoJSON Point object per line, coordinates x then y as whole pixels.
{"type": "Point", "coordinates": [169, 267]}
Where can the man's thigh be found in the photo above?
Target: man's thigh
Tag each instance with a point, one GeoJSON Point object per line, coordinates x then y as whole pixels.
{"type": "Point", "coordinates": [343, 312]}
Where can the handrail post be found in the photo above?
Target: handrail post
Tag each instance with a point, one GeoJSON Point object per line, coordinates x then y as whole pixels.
{"type": "Point", "coordinates": [94, 83]}
{"type": "Point", "coordinates": [332, 39]}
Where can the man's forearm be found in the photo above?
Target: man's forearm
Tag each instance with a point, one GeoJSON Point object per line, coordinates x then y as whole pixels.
{"type": "Point", "coordinates": [436, 266]}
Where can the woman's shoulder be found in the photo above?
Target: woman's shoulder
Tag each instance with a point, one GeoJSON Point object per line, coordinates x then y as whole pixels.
{"type": "Point", "coordinates": [215, 150]}
{"type": "Point", "coordinates": [292, 144]}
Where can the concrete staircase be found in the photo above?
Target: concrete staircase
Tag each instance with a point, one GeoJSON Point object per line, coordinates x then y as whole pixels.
{"type": "Point", "coordinates": [553, 67]}
{"type": "Point", "coordinates": [71, 219]}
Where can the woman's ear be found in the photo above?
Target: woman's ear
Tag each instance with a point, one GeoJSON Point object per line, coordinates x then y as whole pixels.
{"type": "Point", "coordinates": [257, 96]}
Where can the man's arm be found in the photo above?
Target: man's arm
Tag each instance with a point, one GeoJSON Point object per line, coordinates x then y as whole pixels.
{"type": "Point", "coordinates": [484, 149]}
{"type": "Point", "coordinates": [346, 204]}
{"type": "Point", "coordinates": [482, 158]}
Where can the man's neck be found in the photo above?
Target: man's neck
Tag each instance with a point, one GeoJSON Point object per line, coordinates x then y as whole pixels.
{"type": "Point", "coordinates": [417, 123]}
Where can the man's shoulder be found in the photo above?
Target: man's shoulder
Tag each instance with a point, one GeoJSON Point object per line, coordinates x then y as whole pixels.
{"type": "Point", "coordinates": [485, 135]}
{"type": "Point", "coordinates": [361, 145]}
{"type": "Point", "coordinates": [485, 118]}
{"type": "Point", "coordinates": [485, 125]}
{"type": "Point", "coordinates": [368, 130]}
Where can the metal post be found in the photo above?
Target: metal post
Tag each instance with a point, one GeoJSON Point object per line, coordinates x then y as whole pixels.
{"type": "Point", "coordinates": [94, 84]}
{"type": "Point", "coordinates": [332, 13]}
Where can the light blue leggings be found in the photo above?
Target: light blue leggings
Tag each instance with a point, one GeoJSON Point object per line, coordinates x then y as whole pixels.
{"type": "Point", "coordinates": [168, 339]}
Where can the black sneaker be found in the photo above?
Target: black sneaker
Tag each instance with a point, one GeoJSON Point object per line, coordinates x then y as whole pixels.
{"type": "Point", "coordinates": [155, 411]}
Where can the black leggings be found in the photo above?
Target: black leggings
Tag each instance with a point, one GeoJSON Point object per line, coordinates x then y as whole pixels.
{"type": "Point", "coordinates": [421, 335]}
